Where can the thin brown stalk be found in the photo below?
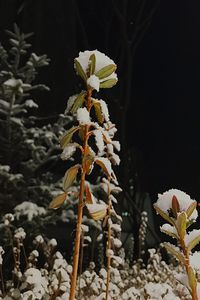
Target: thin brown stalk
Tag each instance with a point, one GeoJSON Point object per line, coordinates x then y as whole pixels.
{"type": "Point", "coordinates": [108, 242]}
{"type": "Point", "coordinates": [80, 208]}
{"type": "Point", "coordinates": [81, 264]}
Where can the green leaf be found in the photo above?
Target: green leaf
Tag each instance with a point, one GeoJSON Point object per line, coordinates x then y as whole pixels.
{"type": "Point", "coordinates": [80, 70]}
{"type": "Point", "coordinates": [106, 71]}
{"type": "Point", "coordinates": [98, 111]}
{"type": "Point", "coordinates": [70, 177]}
{"type": "Point", "coordinates": [174, 252]}
{"type": "Point", "coordinates": [192, 278]}
{"type": "Point", "coordinates": [92, 64]}
{"type": "Point", "coordinates": [181, 224]}
{"type": "Point", "coordinates": [67, 136]}
{"type": "Point", "coordinates": [163, 215]}
{"type": "Point", "coordinates": [191, 208]}
{"type": "Point", "coordinates": [108, 83]}
{"type": "Point", "coordinates": [193, 243]}
{"type": "Point", "coordinates": [78, 102]}
{"type": "Point", "coordinates": [58, 201]}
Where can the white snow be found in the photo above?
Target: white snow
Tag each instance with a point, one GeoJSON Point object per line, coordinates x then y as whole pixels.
{"type": "Point", "coordinates": [52, 243]}
{"type": "Point", "coordinates": [104, 110]}
{"type": "Point", "coordinates": [117, 243]}
{"type": "Point", "coordinates": [115, 159]}
{"type": "Point", "coordinates": [116, 227]}
{"type": "Point", "coordinates": [164, 201]}
{"type": "Point", "coordinates": [83, 116]}
{"type": "Point", "coordinates": [13, 83]}
{"type": "Point", "coordinates": [20, 233]}
{"type": "Point", "coordinates": [31, 104]}
{"type": "Point", "coordinates": [117, 145]}
{"type": "Point", "coordinates": [39, 239]}
{"type": "Point", "coordinates": [29, 209]}
{"type": "Point", "coordinates": [84, 228]}
{"type": "Point", "coordinates": [94, 82]}
{"type": "Point", "coordinates": [195, 260]}
{"type": "Point", "coordinates": [99, 140]}
{"type": "Point", "coordinates": [68, 151]}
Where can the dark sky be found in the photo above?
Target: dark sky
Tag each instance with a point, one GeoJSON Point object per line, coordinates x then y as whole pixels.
{"type": "Point", "coordinates": [167, 83]}
{"type": "Point", "coordinates": [163, 119]}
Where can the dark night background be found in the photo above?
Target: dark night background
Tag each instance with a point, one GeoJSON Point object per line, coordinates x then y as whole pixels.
{"type": "Point", "coordinates": [159, 75]}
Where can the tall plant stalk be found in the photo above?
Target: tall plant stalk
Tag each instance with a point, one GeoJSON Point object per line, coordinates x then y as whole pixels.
{"type": "Point", "coordinates": [97, 71]}
{"type": "Point", "coordinates": [80, 206]}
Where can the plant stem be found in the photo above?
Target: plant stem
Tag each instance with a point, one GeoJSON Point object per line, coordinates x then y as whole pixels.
{"type": "Point", "coordinates": [80, 209]}
{"type": "Point", "coordinates": [108, 242]}
{"type": "Point", "coordinates": [81, 264]}
{"type": "Point", "coordinates": [187, 265]}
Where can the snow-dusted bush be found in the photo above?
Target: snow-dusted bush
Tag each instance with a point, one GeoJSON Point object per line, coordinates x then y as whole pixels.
{"type": "Point", "coordinates": [179, 210]}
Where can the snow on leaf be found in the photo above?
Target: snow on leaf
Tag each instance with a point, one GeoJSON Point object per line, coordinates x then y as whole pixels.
{"type": "Point", "coordinates": [170, 230]}
{"type": "Point", "coordinates": [58, 201]}
{"type": "Point", "coordinates": [70, 176]}
{"type": "Point", "coordinates": [104, 109]}
{"type": "Point", "coordinates": [105, 165]}
{"type": "Point", "coordinates": [78, 102]}
{"type": "Point", "coordinates": [83, 116]}
{"type": "Point", "coordinates": [164, 202]}
{"type": "Point", "coordinates": [99, 140]}
{"type": "Point", "coordinates": [97, 211]}
{"type": "Point", "coordinates": [70, 103]}
{"type": "Point", "coordinates": [68, 151]}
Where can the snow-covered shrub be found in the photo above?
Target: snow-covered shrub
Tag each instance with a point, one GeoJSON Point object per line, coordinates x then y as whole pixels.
{"type": "Point", "coordinates": [92, 137]}
{"type": "Point", "coordinates": [179, 210]}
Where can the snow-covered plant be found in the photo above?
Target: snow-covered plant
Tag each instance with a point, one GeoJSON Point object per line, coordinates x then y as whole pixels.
{"type": "Point", "coordinates": [179, 210]}
{"type": "Point", "coordinates": [92, 136]}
